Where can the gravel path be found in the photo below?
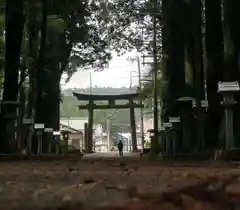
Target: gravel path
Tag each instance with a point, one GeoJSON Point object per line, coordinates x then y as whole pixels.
{"type": "Point", "coordinates": [118, 183]}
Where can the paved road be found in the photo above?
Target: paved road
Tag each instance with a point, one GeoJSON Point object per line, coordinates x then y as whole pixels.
{"type": "Point", "coordinates": [127, 183]}
{"type": "Point", "coordinates": [112, 154]}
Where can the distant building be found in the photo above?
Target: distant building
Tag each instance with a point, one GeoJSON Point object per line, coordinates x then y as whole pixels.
{"type": "Point", "coordinates": [148, 124]}
{"type": "Point", "coordinates": [76, 123]}
{"type": "Point", "coordinates": [76, 126]}
{"type": "Point", "coordinates": [101, 143]}
{"type": "Point", "coordinates": [76, 138]}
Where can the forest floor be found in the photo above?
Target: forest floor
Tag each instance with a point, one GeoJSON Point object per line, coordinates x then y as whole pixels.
{"type": "Point", "coordinates": [119, 183]}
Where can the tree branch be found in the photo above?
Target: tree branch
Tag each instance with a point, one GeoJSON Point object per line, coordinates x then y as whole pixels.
{"type": "Point", "coordinates": [66, 61]}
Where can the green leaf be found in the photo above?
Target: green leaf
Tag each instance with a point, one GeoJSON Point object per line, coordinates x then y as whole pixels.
{"type": "Point", "coordinates": [57, 24]}
{"type": "Point", "coordinates": [2, 20]}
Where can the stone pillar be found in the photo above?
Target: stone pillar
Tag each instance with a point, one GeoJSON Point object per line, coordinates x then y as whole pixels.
{"type": "Point", "coordinates": [163, 141]}
{"type": "Point", "coordinates": [90, 128]}
{"type": "Point", "coordinates": [168, 144]}
{"type": "Point", "coordinates": [174, 141]}
{"type": "Point", "coordinates": [85, 136]}
{"type": "Point", "coordinates": [229, 128]}
{"type": "Point", "coordinates": [228, 103]}
{"type": "Point", "coordinates": [57, 140]}
{"type": "Point", "coordinates": [133, 127]}
{"type": "Point", "coordinates": [48, 137]}
{"type": "Point", "coordinates": [109, 135]}
{"type": "Point", "coordinates": [186, 126]}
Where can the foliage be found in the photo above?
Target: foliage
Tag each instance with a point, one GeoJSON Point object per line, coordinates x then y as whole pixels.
{"type": "Point", "coordinates": [120, 26]}
{"type": "Point", "coordinates": [84, 45]}
{"type": "Point", "coordinates": [128, 23]}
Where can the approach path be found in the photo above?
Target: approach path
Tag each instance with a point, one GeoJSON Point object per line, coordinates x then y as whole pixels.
{"type": "Point", "coordinates": [127, 183]}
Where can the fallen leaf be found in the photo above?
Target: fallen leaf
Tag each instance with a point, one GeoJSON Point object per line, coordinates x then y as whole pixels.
{"type": "Point", "coordinates": [10, 183]}
{"type": "Point", "coordinates": [66, 198]}
{"type": "Point", "coordinates": [88, 180]}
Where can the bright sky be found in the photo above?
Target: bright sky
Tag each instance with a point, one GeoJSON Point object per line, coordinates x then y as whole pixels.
{"type": "Point", "coordinates": [118, 74]}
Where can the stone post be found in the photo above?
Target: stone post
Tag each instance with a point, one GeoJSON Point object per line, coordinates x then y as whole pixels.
{"type": "Point", "coordinates": [90, 128]}
{"type": "Point", "coordinates": [133, 127]}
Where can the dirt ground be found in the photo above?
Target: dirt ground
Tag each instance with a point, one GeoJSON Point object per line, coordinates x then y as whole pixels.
{"type": "Point", "coordinates": [119, 184]}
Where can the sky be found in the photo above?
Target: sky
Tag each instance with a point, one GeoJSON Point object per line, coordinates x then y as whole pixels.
{"type": "Point", "coordinates": [120, 73]}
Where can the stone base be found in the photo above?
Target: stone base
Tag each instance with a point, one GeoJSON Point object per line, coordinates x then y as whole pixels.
{"type": "Point", "coordinates": [201, 156]}
{"type": "Point", "coordinates": [230, 155]}
{"type": "Point", "coordinates": [44, 157]}
{"type": "Point", "coordinates": [146, 151]}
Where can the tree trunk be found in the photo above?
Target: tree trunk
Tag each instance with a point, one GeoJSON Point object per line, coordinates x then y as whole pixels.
{"type": "Point", "coordinates": [231, 39]}
{"type": "Point", "coordinates": [198, 71]}
{"type": "Point", "coordinates": [174, 49]}
{"type": "Point", "coordinates": [33, 30]}
{"type": "Point", "coordinates": [52, 97]}
{"type": "Point", "coordinates": [14, 22]}
{"type": "Point", "coordinates": [231, 34]}
{"type": "Point", "coordinates": [174, 52]}
{"type": "Point", "coordinates": [40, 73]}
{"type": "Point", "coordinates": [21, 110]}
{"type": "Point", "coordinates": [39, 95]}
{"type": "Point", "coordinates": [214, 54]}
{"type": "Point", "coordinates": [51, 100]}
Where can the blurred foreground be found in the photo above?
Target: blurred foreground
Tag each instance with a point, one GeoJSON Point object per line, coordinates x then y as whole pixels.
{"type": "Point", "coordinates": [108, 182]}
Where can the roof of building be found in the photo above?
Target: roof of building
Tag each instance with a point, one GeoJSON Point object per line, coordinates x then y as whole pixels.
{"type": "Point", "coordinates": [69, 129]}
{"type": "Point", "coordinates": [77, 123]}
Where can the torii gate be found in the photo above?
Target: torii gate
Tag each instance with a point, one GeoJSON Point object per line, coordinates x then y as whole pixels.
{"type": "Point", "coordinates": [111, 99]}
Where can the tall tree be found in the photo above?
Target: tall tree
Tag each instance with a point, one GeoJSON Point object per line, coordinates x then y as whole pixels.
{"type": "Point", "coordinates": [40, 72]}
{"type": "Point", "coordinates": [231, 33]}
{"type": "Point", "coordinates": [196, 6]}
{"type": "Point", "coordinates": [33, 28]}
{"type": "Point", "coordinates": [215, 68]}
{"type": "Point", "coordinates": [38, 101]}
{"type": "Point", "coordinates": [14, 32]}
{"type": "Point", "coordinates": [174, 52]}
{"type": "Point", "coordinates": [2, 46]}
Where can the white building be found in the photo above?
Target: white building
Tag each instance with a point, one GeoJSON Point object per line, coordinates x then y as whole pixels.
{"type": "Point", "coordinates": [100, 144]}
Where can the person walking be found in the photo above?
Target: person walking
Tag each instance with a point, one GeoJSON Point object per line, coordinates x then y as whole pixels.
{"type": "Point", "coordinates": [120, 148]}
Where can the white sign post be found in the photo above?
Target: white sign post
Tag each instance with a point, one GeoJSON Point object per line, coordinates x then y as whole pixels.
{"type": "Point", "coordinates": [48, 130]}
{"type": "Point", "coordinates": [204, 104]}
{"type": "Point", "coordinates": [167, 125]}
{"type": "Point", "coordinates": [27, 121]}
{"type": "Point", "coordinates": [228, 86]}
{"type": "Point", "coordinates": [174, 119]}
{"type": "Point", "coordinates": [56, 133]}
{"type": "Point", "coordinates": [39, 126]}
